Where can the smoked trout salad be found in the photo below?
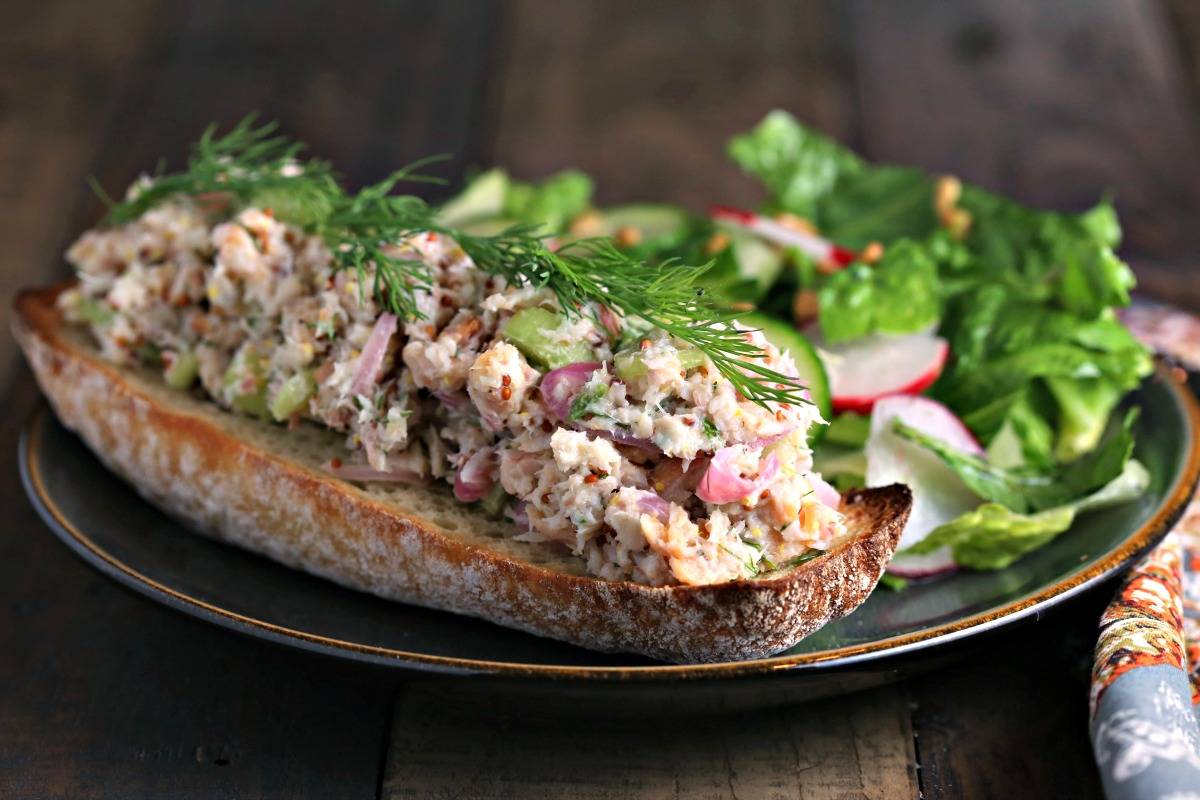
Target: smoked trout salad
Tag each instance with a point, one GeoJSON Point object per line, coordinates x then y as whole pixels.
{"type": "Point", "coordinates": [673, 397]}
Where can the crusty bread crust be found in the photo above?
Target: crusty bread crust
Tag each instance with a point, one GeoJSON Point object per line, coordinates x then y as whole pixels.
{"type": "Point", "coordinates": [183, 457]}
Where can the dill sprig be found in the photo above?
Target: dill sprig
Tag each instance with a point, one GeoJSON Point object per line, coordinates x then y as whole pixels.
{"type": "Point", "coordinates": [253, 166]}
{"type": "Point", "coordinates": [362, 232]}
{"type": "Point", "coordinates": [249, 165]}
{"type": "Point", "coordinates": [666, 296]}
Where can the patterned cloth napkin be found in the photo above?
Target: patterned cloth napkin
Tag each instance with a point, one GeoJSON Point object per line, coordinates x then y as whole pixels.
{"type": "Point", "coordinates": [1146, 675]}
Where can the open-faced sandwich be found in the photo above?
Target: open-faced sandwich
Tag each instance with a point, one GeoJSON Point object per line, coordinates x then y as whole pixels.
{"type": "Point", "coordinates": [548, 434]}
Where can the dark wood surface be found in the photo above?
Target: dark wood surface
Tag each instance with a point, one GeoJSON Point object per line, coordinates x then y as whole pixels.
{"type": "Point", "coordinates": [108, 695]}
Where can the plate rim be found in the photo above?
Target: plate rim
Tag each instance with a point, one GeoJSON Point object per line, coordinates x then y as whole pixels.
{"type": "Point", "coordinates": [1135, 543]}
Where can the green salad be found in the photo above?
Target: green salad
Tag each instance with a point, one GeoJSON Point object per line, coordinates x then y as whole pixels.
{"type": "Point", "coordinates": [953, 340]}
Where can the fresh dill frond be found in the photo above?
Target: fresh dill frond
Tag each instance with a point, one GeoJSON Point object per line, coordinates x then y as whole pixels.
{"type": "Point", "coordinates": [665, 296]}
{"type": "Point", "coordinates": [363, 232]}
{"type": "Point", "coordinates": [249, 165]}
{"type": "Point", "coordinates": [252, 165]}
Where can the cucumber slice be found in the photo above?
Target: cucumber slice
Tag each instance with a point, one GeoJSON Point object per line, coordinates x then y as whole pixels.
{"type": "Point", "coordinates": [482, 199]}
{"type": "Point", "coordinates": [659, 225]}
{"type": "Point", "coordinates": [247, 361]}
{"type": "Point", "coordinates": [97, 312]}
{"type": "Point", "coordinates": [757, 261]}
{"type": "Point", "coordinates": [629, 365]}
{"type": "Point", "coordinates": [746, 270]}
{"type": "Point", "coordinates": [808, 363]}
{"type": "Point", "coordinates": [292, 395]}
{"type": "Point", "coordinates": [183, 370]}
{"type": "Point", "coordinates": [527, 332]}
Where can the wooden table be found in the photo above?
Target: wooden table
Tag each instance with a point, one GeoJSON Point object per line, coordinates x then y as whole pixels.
{"type": "Point", "coordinates": [107, 695]}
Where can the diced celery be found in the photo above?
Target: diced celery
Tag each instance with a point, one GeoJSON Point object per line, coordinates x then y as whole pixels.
{"type": "Point", "coordinates": [495, 500]}
{"type": "Point", "coordinates": [247, 362]}
{"type": "Point", "coordinates": [630, 365]}
{"type": "Point", "coordinates": [95, 311]}
{"type": "Point", "coordinates": [292, 395]}
{"type": "Point", "coordinates": [183, 370]}
{"type": "Point", "coordinates": [527, 331]}
{"type": "Point", "coordinates": [254, 403]}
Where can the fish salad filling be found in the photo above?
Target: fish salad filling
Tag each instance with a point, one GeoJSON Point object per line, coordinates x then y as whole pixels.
{"type": "Point", "coordinates": [589, 431]}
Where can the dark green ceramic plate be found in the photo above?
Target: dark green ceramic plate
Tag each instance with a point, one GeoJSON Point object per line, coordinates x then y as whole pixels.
{"type": "Point", "coordinates": [110, 526]}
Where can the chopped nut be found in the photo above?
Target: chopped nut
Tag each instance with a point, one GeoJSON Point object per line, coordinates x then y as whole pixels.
{"type": "Point", "coordinates": [959, 223]}
{"type": "Point", "coordinates": [796, 223]}
{"type": "Point", "coordinates": [628, 236]}
{"type": "Point", "coordinates": [589, 223]}
{"type": "Point", "coordinates": [946, 195]}
{"type": "Point", "coordinates": [804, 306]}
{"type": "Point", "coordinates": [871, 253]}
{"type": "Point", "coordinates": [716, 243]}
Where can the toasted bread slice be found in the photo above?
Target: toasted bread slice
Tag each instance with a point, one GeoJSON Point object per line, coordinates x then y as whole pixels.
{"type": "Point", "coordinates": [261, 487]}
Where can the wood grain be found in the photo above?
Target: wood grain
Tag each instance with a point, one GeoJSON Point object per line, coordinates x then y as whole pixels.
{"type": "Point", "coordinates": [1011, 721]}
{"type": "Point", "coordinates": [448, 743]}
{"type": "Point", "coordinates": [645, 95]}
{"type": "Point", "coordinates": [61, 76]}
{"type": "Point", "coordinates": [1054, 105]}
{"type": "Point", "coordinates": [107, 694]}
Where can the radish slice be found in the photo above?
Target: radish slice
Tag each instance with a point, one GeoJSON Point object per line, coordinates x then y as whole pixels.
{"type": "Point", "coordinates": [476, 476]}
{"type": "Point", "coordinates": [863, 370]}
{"type": "Point", "coordinates": [939, 495]}
{"type": "Point", "coordinates": [364, 474]}
{"type": "Point", "coordinates": [560, 386]}
{"type": "Point", "coordinates": [371, 361]}
{"type": "Point", "coordinates": [722, 483]}
{"type": "Point", "coordinates": [820, 250]}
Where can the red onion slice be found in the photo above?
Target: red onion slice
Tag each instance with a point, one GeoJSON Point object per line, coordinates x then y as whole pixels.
{"type": "Point", "coordinates": [476, 476]}
{"type": "Point", "coordinates": [825, 493]}
{"type": "Point", "coordinates": [723, 484]}
{"type": "Point", "coordinates": [455, 401]}
{"type": "Point", "coordinates": [520, 516]}
{"type": "Point", "coordinates": [371, 361]}
{"type": "Point", "coordinates": [560, 386]}
{"type": "Point", "coordinates": [622, 438]}
{"type": "Point", "coordinates": [364, 474]}
{"type": "Point", "coordinates": [610, 321]}
{"type": "Point", "coordinates": [650, 503]}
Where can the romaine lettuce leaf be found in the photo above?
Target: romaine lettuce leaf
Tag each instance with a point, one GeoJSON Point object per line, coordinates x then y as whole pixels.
{"type": "Point", "coordinates": [551, 203]}
{"type": "Point", "coordinates": [993, 536]}
{"type": "Point", "coordinates": [798, 165]}
{"type": "Point", "coordinates": [877, 204]}
{"type": "Point", "coordinates": [1008, 350]}
{"type": "Point", "coordinates": [897, 295]}
{"type": "Point", "coordinates": [495, 196]}
{"type": "Point", "coordinates": [848, 430]}
{"type": "Point", "coordinates": [1027, 489]}
{"type": "Point", "coordinates": [1084, 405]}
